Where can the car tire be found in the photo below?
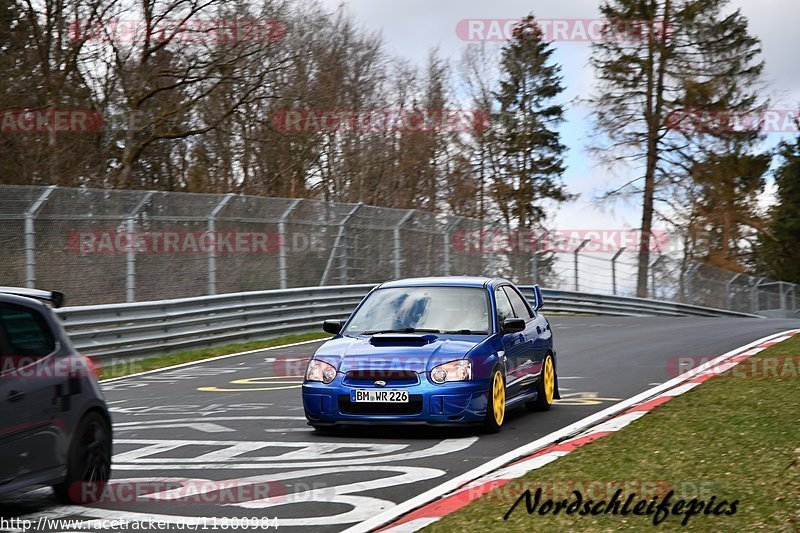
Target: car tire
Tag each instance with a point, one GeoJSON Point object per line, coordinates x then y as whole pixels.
{"type": "Point", "coordinates": [496, 407]}
{"type": "Point", "coordinates": [545, 388]}
{"type": "Point", "coordinates": [88, 462]}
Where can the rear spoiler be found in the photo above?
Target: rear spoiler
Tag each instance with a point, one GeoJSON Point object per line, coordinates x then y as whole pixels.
{"type": "Point", "coordinates": [55, 298]}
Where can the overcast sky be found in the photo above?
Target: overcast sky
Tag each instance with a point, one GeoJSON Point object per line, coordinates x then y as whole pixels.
{"type": "Point", "coordinates": [412, 27]}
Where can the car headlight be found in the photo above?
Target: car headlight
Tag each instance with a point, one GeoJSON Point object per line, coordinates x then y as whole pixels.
{"type": "Point", "coordinates": [320, 371]}
{"type": "Point", "coordinates": [460, 370]}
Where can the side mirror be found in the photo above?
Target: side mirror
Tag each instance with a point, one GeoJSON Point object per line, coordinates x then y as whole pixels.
{"type": "Point", "coordinates": [334, 327]}
{"type": "Point", "coordinates": [513, 325]}
{"type": "Point", "coordinates": [538, 298]}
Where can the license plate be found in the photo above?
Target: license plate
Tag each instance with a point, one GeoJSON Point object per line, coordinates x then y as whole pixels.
{"type": "Point", "coordinates": [379, 396]}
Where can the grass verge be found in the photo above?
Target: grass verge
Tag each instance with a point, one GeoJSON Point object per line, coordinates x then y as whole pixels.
{"type": "Point", "coordinates": [735, 437]}
{"type": "Point", "coordinates": [134, 366]}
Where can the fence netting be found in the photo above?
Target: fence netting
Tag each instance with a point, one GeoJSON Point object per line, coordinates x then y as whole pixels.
{"type": "Point", "coordinates": [111, 246]}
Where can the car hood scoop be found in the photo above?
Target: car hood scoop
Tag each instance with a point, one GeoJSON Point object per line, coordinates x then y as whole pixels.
{"type": "Point", "coordinates": [400, 339]}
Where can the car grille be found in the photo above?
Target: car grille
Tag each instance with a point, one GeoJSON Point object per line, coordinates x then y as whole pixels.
{"type": "Point", "coordinates": [392, 378]}
{"type": "Point", "coordinates": [413, 407]}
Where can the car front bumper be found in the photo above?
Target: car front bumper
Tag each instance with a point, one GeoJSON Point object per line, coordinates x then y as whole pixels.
{"type": "Point", "coordinates": [429, 404]}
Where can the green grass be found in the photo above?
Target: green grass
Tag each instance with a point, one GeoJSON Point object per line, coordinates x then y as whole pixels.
{"type": "Point", "coordinates": [134, 366]}
{"type": "Point", "coordinates": [736, 438]}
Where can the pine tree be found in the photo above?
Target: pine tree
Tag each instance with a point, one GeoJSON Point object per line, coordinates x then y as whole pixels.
{"type": "Point", "coordinates": [778, 252]}
{"type": "Point", "coordinates": [531, 155]}
{"type": "Point", "coordinates": [724, 210]}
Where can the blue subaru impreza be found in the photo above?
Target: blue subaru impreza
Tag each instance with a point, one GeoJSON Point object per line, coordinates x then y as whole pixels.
{"type": "Point", "coordinates": [437, 351]}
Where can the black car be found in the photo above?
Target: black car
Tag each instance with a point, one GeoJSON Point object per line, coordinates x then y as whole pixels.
{"type": "Point", "coordinates": [55, 427]}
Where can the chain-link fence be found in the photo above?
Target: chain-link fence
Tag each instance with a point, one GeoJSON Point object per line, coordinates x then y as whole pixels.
{"type": "Point", "coordinates": [109, 246]}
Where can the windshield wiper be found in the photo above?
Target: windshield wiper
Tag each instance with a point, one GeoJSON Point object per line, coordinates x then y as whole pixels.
{"type": "Point", "coordinates": [405, 330]}
{"type": "Point", "coordinates": [465, 332]}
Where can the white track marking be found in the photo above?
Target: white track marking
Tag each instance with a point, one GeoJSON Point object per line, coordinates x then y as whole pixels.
{"type": "Point", "coordinates": [414, 525]}
{"type": "Point", "coordinates": [677, 391]}
{"type": "Point", "coordinates": [145, 424]}
{"type": "Point", "coordinates": [616, 423]}
{"type": "Point", "coordinates": [231, 451]}
{"type": "Point", "coordinates": [205, 427]}
{"type": "Point", "coordinates": [210, 360]}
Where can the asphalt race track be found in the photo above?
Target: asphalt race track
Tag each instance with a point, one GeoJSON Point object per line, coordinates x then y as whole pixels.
{"type": "Point", "coordinates": [240, 419]}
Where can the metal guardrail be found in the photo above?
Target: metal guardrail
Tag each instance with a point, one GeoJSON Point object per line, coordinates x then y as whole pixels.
{"type": "Point", "coordinates": [158, 327]}
{"type": "Point", "coordinates": [597, 304]}
{"type": "Point", "coordinates": [150, 328]}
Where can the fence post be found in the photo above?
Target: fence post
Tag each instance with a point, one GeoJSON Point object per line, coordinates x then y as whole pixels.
{"type": "Point", "coordinates": [212, 250]}
{"type": "Point", "coordinates": [282, 243]}
{"type": "Point", "coordinates": [446, 260]}
{"type": "Point", "coordinates": [30, 236]}
{"type": "Point", "coordinates": [446, 257]}
{"type": "Point", "coordinates": [653, 275]}
{"type": "Point", "coordinates": [754, 295]}
{"type": "Point", "coordinates": [783, 295]}
{"type": "Point", "coordinates": [130, 253]}
{"type": "Point", "coordinates": [728, 293]}
{"type": "Point", "coordinates": [614, 269]}
{"type": "Point", "coordinates": [694, 267]}
{"type": "Point", "coordinates": [576, 252]}
{"type": "Point", "coordinates": [534, 266]}
{"type": "Point", "coordinates": [452, 224]}
{"type": "Point", "coordinates": [398, 252]}
{"type": "Point", "coordinates": [339, 237]}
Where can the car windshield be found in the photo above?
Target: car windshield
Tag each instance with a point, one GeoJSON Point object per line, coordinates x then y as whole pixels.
{"type": "Point", "coordinates": [463, 310]}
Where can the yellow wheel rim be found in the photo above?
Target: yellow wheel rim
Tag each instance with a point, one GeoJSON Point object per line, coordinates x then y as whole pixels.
{"type": "Point", "coordinates": [549, 380]}
{"type": "Point", "coordinates": [498, 398]}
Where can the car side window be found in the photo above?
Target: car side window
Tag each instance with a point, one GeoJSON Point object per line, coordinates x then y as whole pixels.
{"type": "Point", "coordinates": [518, 304]}
{"type": "Point", "coordinates": [26, 333]}
{"type": "Point", "coordinates": [504, 309]}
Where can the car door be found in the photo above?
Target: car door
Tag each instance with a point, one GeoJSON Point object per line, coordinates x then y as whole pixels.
{"type": "Point", "coordinates": [9, 417]}
{"type": "Point", "coordinates": [527, 358]}
{"type": "Point", "coordinates": [28, 393]}
{"type": "Point", "coordinates": [513, 343]}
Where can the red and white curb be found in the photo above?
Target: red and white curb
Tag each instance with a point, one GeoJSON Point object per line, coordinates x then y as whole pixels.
{"type": "Point", "coordinates": [451, 496]}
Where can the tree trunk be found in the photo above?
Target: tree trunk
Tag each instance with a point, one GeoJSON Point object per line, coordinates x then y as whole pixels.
{"type": "Point", "coordinates": [654, 112]}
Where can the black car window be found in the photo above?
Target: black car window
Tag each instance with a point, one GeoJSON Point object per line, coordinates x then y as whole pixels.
{"type": "Point", "coordinates": [504, 309]}
{"type": "Point", "coordinates": [520, 309]}
{"type": "Point", "coordinates": [26, 332]}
